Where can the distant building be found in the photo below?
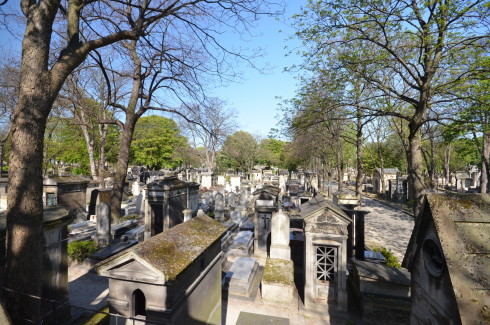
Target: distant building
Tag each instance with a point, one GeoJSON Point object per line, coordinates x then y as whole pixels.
{"type": "Point", "coordinates": [388, 174]}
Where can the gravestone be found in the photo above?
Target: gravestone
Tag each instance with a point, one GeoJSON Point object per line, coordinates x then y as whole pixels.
{"type": "Point", "coordinates": [239, 280]}
{"type": "Point", "coordinates": [103, 236]}
{"type": "Point", "coordinates": [280, 236]}
{"type": "Point", "coordinates": [231, 200]}
{"type": "Point", "coordinates": [135, 188]}
{"type": "Point", "coordinates": [219, 207]}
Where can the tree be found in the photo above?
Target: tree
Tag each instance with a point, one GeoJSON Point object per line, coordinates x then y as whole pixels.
{"type": "Point", "coordinates": [271, 152]}
{"type": "Point", "coordinates": [44, 69]}
{"type": "Point", "coordinates": [241, 150]}
{"type": "Point", "coordinates": [407, 51]}
{"type": "Point", "coordinates": [214, 123]}
{"type": "Point", "coordinates": [155, 142]}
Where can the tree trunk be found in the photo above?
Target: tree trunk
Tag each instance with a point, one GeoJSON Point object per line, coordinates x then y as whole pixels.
{"type": "Point", "coordinates": [90, 144]}
{"type": "Point", "coordinates": [415, 167]}
{"type": "Point", "coordinates": [24, 243]}
{"type": "Point", "coordinates": [101, 167]}
{"type": "Point", "coordinates": [25, 207]}
{"type": "Point", "coordinates": [485, 170]}
{"type": "Point", "coordinates": [360, 170]}
{"type": "Point", "coordinates": [447, 159]}
{"type": "Point", "coordinates": [122, 167]}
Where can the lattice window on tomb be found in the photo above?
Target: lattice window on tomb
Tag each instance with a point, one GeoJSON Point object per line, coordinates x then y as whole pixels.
{"type": "Point", "coordinates": [326, 262]}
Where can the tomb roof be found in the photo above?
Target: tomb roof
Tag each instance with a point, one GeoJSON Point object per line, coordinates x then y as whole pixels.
{"type": "Point", "coordinates": [53, 180]}
{"type": "Point", "coordinates": [172, 251]}
{"type": "Point", "coordinates": [462, 223]}
{"type": "Point", "coordinates": [388, 170]}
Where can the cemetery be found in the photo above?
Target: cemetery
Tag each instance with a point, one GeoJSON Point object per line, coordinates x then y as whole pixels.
{"type": "Point", "coordinates": [193, 254]}
{"type": "Point", "coordinates": [243, 162]}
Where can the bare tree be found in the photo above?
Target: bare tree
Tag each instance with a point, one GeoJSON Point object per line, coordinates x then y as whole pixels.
{"type": "Point", "coordinates": [215, 123]}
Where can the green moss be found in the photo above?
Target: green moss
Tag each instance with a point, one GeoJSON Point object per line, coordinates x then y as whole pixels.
{"type": "Point", "coordinates": [100, 318]}
{"type": "Point", "coordinates": [175, 249]}
{"type": "Point", "coordinates": [278, 271]}
{"type": "Point", "coordinates": [130, 217]}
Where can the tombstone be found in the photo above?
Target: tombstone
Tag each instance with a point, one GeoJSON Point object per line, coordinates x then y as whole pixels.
{"type": "Point", "coordinates": [219, 207]}
{"type": "Point", "coordinates": [221, 180]}
{"type": "Point", "coordinates": [207, 180]}
{"type": "Point", "coordinates": [277, 283]}
{"type": "Point", "coordinates": [219, 201]}
{"type": "Point", "coordinates": [171, 278]}
{"type": "Point", "coordinates": [280, 236]}
{"type": "Point", "coordinates": [235, 183]}
{"type": "Point", "coordinates": [231, 200]}
{"type": "Point", "coordinates": [136, 188]}
{"type": "Point", "coordinates": [103, 236]}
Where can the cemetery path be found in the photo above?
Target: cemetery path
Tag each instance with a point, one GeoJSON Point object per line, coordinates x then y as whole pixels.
{"type": "Point", "coordinates": [387, 227]}
{"type": "Point", "coordinates": [86, 289]}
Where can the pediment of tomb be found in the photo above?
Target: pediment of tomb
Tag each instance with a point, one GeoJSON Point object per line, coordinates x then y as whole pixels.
{"type": "Point", "coordinates": [132, 268]}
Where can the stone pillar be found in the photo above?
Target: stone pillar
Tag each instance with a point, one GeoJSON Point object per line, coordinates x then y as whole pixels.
{"type": "Point", "coordinates": [103, 236]}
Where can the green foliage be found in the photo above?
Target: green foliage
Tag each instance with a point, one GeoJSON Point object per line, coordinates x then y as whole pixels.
{"type": "Point", "coordinates": [80, 250]}
{"type": "Point", "coordinates": [391, 260]}
{"type": "Point", "coordinates": [130, 217]}
{"type": "Point", "coordinates": [271, 153]}
{"type": "Point", "coordinates": [156, 141]}
{"type": "Point", "coordinates": [239, 151]}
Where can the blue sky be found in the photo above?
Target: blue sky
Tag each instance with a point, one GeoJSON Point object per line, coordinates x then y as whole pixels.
{"type": "Point", "coordinates": [255, 97]}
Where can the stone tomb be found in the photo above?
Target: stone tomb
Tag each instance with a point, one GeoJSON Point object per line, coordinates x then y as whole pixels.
{"type": "Point", "coordinates": [67, 191]}
{"type": "Point", "coordinates": [325, 229]}
{"type": "Point", "coordinates": [165, 204]}
{"type": "Point", "coordinates": [448, 257]}
{"type": "Point", "coordinates": [242, 245]}
{"type": "Point", "coordinates": [382, 292]}
{"type": "Point", "coordinates": [240, 279]}
{"type": "Point", "coordinates": [265, 204]}
{"type": "Point", "coordinates": [171, 278]}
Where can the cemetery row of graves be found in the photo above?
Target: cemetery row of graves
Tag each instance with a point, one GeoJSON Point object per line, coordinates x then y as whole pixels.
{"type": "Point", "coordinates": [192, 241]}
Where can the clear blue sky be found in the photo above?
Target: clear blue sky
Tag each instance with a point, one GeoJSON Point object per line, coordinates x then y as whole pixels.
{"type": "Point", "coordinates": [254, 98]}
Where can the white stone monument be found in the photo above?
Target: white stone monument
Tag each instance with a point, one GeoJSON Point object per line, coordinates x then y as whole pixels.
{"type": "Point", "coordinates": [280, 236]}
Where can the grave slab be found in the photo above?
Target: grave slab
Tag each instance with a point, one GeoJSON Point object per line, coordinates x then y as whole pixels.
{"type": "Point", "coordinates": [242, 274]}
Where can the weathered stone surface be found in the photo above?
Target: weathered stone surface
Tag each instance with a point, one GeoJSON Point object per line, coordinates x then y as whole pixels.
{"type": "Point", "coordinates": [278, 280]}
{"type": "Point", "coordinates": [242, 273]}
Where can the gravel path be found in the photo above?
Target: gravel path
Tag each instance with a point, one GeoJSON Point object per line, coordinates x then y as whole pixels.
{"type": "Point", "coordinates": [387, 227]}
